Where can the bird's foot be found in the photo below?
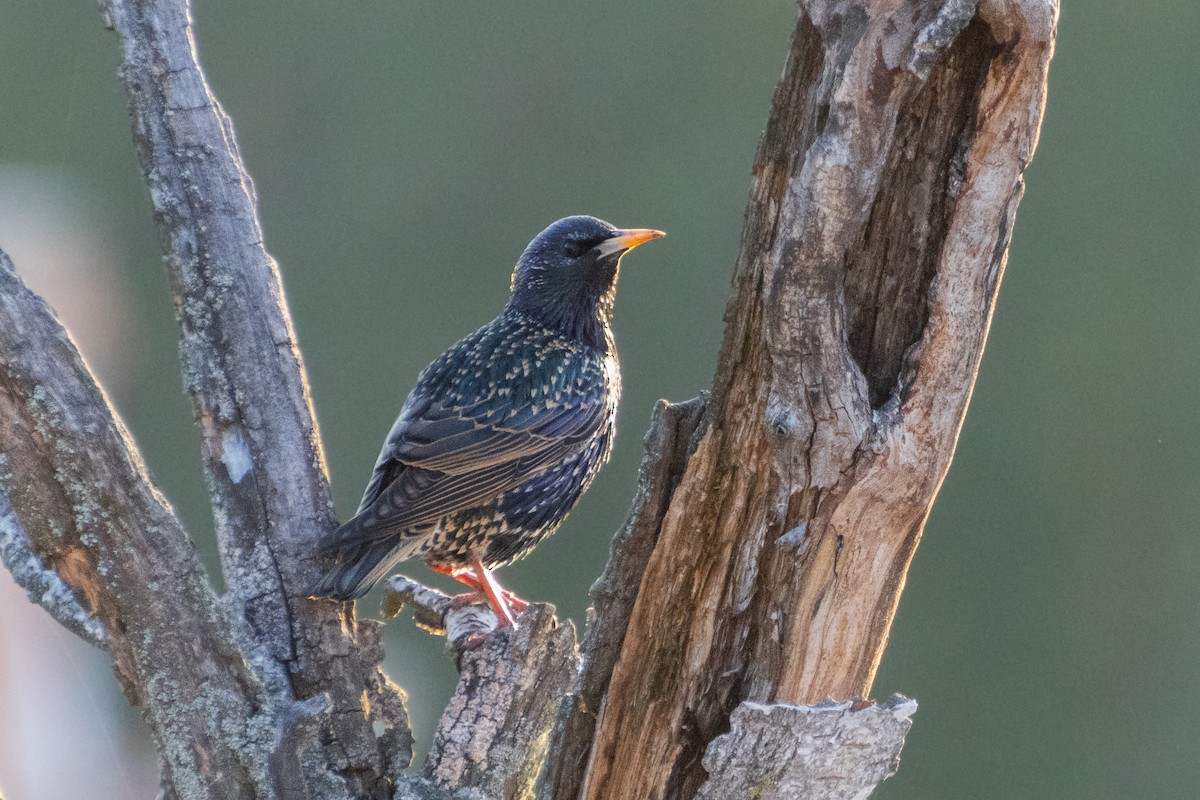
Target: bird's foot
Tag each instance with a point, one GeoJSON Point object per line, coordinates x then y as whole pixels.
{"type": "Point", "coordinates": [467, 620]}
{"type": "Point", "coordinates": [503, 617]}
{"type": "Point", "coordinates": [495, 594]}
{"type": "Point", "coordinates": [502, 602]}
{"type": "Point", "coordinates": [515, 603]}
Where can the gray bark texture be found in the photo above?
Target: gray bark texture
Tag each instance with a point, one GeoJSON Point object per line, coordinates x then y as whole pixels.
{"type": "Point", "coordinates": [831, 751]}
{"type": "Point", "coordinates": [774, 519]}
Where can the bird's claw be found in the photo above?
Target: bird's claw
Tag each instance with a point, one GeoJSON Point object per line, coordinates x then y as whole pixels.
{"type": "Point", "coordinates": [518, 606]}
{"type": "Point", "coordinates": [515, 603]}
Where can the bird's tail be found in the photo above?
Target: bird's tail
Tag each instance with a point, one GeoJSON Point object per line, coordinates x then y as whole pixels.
{"type": "Point", "coordinates": [360, 566]}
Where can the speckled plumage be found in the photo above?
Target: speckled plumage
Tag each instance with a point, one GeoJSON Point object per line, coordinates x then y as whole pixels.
{"type": "Point", "coordinates": [505, 430]}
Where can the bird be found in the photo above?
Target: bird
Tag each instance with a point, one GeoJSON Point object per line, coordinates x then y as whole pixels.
{"type": "Point", "coordinates": [503, 432]}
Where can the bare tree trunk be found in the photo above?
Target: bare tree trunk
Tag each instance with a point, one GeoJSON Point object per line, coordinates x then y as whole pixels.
{"type": "Point", "coordinates": [767, 546]}
{"type": "Point", "coordinates": [878, 224]}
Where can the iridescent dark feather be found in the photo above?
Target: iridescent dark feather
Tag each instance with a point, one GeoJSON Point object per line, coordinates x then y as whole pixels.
{"type": "Point", "coordinates": [503, 432]}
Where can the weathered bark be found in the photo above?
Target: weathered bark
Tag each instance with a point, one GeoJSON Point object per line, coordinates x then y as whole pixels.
{"type": "Point", "coordinates": [80, 511]}
{"type": "Point", "coordinates": [668, 445]}
{"type": "Point", "coordinates": [773, 525]}
{"type": "Point", "coordinates": [230, 687]}
{"type": "Point", "coordinates": [875, 236]}
{"type": "Point", "coordinates": [262, 453]}
{"type": "Point", "coordinates": [830, 751]}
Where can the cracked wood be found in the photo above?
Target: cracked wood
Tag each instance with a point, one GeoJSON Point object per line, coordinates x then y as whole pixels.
{"type": "Point", "coordinates": [875, 235]}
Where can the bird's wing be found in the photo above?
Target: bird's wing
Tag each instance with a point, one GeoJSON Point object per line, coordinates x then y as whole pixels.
{"type": "Point", "coordinates": [458, 439]}
{"type": "Point", "coordinates": [441, 458]}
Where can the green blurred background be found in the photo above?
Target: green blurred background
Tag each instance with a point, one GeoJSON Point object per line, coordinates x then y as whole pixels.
{"type": "Point", "coordinates": [404, 153]}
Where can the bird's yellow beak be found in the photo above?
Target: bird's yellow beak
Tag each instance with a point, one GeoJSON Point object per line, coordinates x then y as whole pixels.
{"type": "Point", "coordinates": [632, 237]}
{"type": "Point", "coordinates": [628, 239]}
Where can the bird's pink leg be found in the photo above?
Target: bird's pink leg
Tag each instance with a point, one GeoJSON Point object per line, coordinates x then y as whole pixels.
{"type": "Point", "coordinates": [481, 586]}
{"type": "Point", "coordinates": [494, 594]}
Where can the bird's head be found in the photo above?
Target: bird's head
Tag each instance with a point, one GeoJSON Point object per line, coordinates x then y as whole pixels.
{"type": "Point", "coordinates": [567, 276]}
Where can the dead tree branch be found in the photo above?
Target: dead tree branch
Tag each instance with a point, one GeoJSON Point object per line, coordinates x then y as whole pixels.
{"type": "Point", "coordinates": [229, 686]}
{"type": "Point", "coordinates": [262, 452]}
{"type": "Point", "coordinates": [82, 514]}
{"type": "Point", "coordinates": [876, 232]}
{"type": "Point", "coordinates": [773, 525]}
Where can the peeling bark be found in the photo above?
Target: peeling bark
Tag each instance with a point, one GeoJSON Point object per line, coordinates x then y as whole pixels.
{"type": "Point", "coordinates": [829, 751]}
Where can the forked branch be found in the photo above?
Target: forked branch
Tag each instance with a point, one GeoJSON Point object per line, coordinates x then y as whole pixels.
{"type": "Point", "coordinates": [773, 525]}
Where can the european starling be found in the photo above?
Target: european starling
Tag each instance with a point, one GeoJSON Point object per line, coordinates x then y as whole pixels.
{"type": "Point", "coordinates": [504, 431]}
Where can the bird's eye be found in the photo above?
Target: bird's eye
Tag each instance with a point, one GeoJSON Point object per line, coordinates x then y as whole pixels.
{"type": "Point", "coordinates": [574, 248]}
